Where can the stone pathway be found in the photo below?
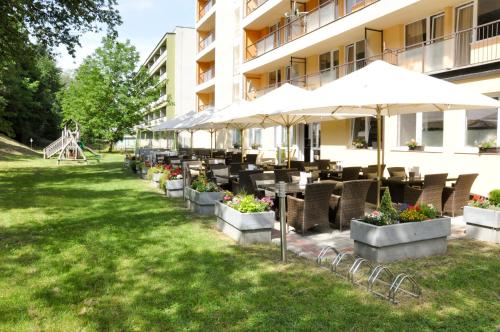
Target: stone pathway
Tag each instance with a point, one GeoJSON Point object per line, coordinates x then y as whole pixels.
{"type": "Point", "coordinates": [310, 245]}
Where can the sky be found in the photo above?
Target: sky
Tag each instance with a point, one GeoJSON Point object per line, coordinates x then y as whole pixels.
{"type": "Point", "coordinates": [144, 23]}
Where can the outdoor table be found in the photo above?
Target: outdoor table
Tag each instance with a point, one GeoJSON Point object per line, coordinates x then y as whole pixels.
{"type": "Point", "coordinates": [291, 188]}
{"type": "Point", "coordinates": [228, 177]}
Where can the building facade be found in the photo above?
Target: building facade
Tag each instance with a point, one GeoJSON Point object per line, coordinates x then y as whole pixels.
{"type": "Point", "coordinates": [249, 47]}
{"type": "Point", "coordinates": [172, 61]}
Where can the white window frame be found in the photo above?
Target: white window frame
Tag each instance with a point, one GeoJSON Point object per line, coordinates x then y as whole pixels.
{"type": "Point", "coordinates": [469, 148]}
{"type": "Point", "coordinates": [366, 131]}
{"type": "Point", "coordinates": [418, 134]}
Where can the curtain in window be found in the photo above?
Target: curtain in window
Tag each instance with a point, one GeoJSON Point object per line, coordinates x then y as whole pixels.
{"type": "Point", "coordinates": [407, 128]}
{"type": "Point", "coordinates": [415, 33]}
{"type": "Point", "coordinates": [432, 129]}
{"type": "Point", "coordinates": [481, 126]}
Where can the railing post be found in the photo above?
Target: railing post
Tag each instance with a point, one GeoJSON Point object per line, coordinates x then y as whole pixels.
{"type": "Point", "coordinates": [281, 186]}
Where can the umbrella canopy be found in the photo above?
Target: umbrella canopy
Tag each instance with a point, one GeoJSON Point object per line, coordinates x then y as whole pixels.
{"type": "Point", "coordinates": [393, 90]}
{"type": "Point", "coordinates": [384, 89]}
{"type": "Point", "coordinates": [273, 109]}
{"type": "Point", "coordinates": [174, 123]}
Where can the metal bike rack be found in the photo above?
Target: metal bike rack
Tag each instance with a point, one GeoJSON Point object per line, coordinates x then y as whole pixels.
{"type": "Point", "coordinates": [356, 267]}
{"type": "Point", "coordinates": [377, 276]}
{"type": "Point", "coordinates": [343, 259]}
{"type": "Point", "coordinates": [415, 290]}
{"type": "Point", "coordinates": [322, 255]}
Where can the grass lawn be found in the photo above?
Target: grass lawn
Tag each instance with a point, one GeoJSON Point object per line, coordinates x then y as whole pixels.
{"type": "Point", "coordinates": [95, 248]}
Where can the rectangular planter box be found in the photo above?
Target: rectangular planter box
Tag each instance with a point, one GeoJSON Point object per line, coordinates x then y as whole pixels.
{"type": "Point", "coordinates": [244, 228]}
{"type": "Point", "coordinates": [201, 202]}
{"type": "Point", "coordinates": [156, 177]}
{"type": "Point", "coordinates": [174, 188]}
{"type": "Point", "coordinates": [482, 224]}
{"type": "Point", "coordinates": [400, 241]}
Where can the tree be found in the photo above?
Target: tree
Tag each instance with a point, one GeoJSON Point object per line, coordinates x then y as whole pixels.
{"type": "Point", "coordinates": [51, 23]}
{"type": "Point", "coordinates": [107, 93]}
{"type": "Point", "coordinates": [28, 105]}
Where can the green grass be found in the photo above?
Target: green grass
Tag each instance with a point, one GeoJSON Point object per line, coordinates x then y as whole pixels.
{"type": "Point", "coordinates": [94, 248]}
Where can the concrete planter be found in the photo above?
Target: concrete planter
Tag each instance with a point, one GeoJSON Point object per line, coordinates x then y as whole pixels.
{"type": "Point", "coordinates": [156, 177]}
{"type": "Point", "coordinates": [174, 188]}
{"type": "Point", "coordinates": [144, 173]}
{"type": "Point", "coordinates": [244, 228]}
{"type": "Point", "coordinates": [400, 241]}
{"type": "Point", "coordinates": [482, 224]}
{"type": "Point", "coordinates": [202, 202]}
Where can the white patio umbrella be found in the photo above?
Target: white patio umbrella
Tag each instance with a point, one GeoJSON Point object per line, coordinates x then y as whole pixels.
{"type": "Point", "coordinates": [274, 109]}
{"type": "Point", "coordinates": [384, 89]}
{"type": "Point", "coordinates": [174, 123]}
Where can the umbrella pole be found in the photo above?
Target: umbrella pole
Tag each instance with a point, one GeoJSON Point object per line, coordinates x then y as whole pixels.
{"type": "Point", "coordinates": [241, 143]}
{"type": "Point", "coordinates": [211, 140]}
{"type": "Point", "coordinates": [288, 145]}
{"type": "Point", "coordinates": [379, 141]}
{"type": "Point", "coordinates": [191, 142]}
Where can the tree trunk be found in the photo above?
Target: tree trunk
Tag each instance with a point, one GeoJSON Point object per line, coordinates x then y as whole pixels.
{"type": "Point", "coordinates": [110, 148]}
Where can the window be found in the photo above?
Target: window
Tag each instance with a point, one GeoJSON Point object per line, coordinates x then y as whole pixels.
{"type": "Point", "coordinates": [482, 125]}
{"type": "Point", "coordinates": [426, 128]}
{"type": "Point", "coordinates": [283, 136]}
{"type": "Point", "coordinates": [432, 129]}
{"type": "Point", "coordinates": [349, 4]}
{"type": "Point", "coordinates": [407, 128]}
{"type": "Point", "coordinates": [488, 11]}
{"type": "Point", "coordinates": [274, 78]}
{"type": "Point", "coordinates": [236, 91]}
{"type": "Point", "coordinates": [415, 33]}
{"type": "Point", "coordinates": [325, 61]}
{"type": "Point", "coordinates": [437, 27]}
{"type": "Point", "coordinates": [355, 56]}
{"type": "Point", "coordinates": [255, 137]}
{"type": "Point", "coordinates": [365, 129]}
{"type": "Point", "coordinates": [236, 136]}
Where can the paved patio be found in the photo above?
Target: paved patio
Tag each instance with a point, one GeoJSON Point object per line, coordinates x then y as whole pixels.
{"type": "Point", "coordinates": [310, 245]}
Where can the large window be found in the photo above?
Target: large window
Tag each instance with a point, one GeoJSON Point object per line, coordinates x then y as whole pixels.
{"type": "Point", "coordinates": [482, 126]}
{"type": "Point", "coordinates": [255, 137]}
{"type": "Point", "coordinates": [415, 33]}
{"type": "Point", "coordinates": [365, 129]}
{"type": "Point", "coordinates": [274, 77]}
{"type": "Point", "coordinates": [425, 128]}
{"type": "Point", "coordinates": [236, 137]}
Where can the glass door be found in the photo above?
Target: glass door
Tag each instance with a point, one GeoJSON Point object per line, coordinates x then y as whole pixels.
{"type": "Point", "coordinates": [349, 58]}
{"type": "Point", "coordinates": [463, 39]}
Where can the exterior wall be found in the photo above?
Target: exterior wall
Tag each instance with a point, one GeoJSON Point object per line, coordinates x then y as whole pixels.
{"type": "Point", "coordinates": [185, 52]}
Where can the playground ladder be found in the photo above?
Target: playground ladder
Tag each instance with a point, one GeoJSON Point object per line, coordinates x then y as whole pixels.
{"type": "Point", "coordinates": [53, 148]}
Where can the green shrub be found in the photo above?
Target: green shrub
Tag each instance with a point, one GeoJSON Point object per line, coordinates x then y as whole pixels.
{"type": "Point", "coordinates": [389, 213]}
{"type": "Point", "coordinates": [428, 210]}
{"type": "Point", "coordinates": [494, 197]}
{"type": "Point", "coordinates": [202, 184]}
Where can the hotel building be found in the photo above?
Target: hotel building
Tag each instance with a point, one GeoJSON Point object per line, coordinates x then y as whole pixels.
{"type": "Point", "coordinates": [246, 48]}
{"type": "Point", "coordinates": [172, 61]}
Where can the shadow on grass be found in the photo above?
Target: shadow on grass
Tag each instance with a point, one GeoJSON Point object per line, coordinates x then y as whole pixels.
{"type": "Point", "coordinates": [94, 247]}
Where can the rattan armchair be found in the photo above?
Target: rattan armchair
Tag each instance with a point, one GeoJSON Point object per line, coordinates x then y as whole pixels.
{"type": "Point", "coordinates": [244, 183]}
{"type": "Point", "coordinates": [430, 193]}
{"type": "Point", "coordinates": [190, 170]}
{"type": "Point", "coordinates": [297, 164]}
{"type": "Point", "coordinates": [397, 173]}
{"type": "Point", "coordinates": [259, 179]}
{"type": "Point", "coordinates": [350, 204]}
{"type": "Point", "coordinates": [251, 158]}
{"type": "Point", "coordinates": [312, 211]}
{"type": "Point", "coordinates": [456, 197]}
{"type": "Point", "coordinates": [349, 174]}
{"type": "Point", "coordinates": [285, 174]}
{"type": "Point", "coordinates": [219, 173]}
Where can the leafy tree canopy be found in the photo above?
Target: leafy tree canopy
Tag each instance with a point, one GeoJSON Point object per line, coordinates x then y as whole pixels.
{"type": "Point", "coordinates": [107, 93]}
{"type": "Point", "coordinates": [52, 22]}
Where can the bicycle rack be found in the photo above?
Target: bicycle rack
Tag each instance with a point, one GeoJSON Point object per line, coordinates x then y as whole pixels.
{"type": "Point", "coordinates": [341, 260]}
{"type": "Point", "coordinates": [382, 275]}
{"type": "Point", "coordinates": [322, 255]}
{"type": "Point", "coordinates": [356, 267]}
{"type": "Point", "coordinates": [415, 291]}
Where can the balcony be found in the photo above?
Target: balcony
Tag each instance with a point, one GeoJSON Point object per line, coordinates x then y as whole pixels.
{"type": "Point", "coordinates": [298, 27]}
{"type": "Point", "coordinates": [206, 75]}
{"type": "Point", "coordinates": [207, 41]}
{"type": "Point", "coordinates": [471, 47]}
{"type": "Point", "coordinates": [252, 5]}
{"type": "Point", "coordinates": [205, 9]}
{"type": "Point", "coordinates": [318, 79]}
{"type": "Point", "coordinates": [163, 77]}
{"type": "Point", "coordinates": [202, 108]}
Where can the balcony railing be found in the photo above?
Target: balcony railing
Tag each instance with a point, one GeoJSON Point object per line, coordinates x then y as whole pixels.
{"type": "Point", "coordinates": [205, 42]}
{"type": "Point", "coordinates": [207, 75]}
{"type": "Point", "coordinates": [206, 8]}
{"type": "Point", "coordinates": [202, 108]}
{"type": "Point", "coordinates": [298, 27]}
{"type": "Point", "coordinates": [477, 45]}
{"type": "Point", "coordinates": [253, 5]}
{"type": "Point", "coordinates": [318, 79]}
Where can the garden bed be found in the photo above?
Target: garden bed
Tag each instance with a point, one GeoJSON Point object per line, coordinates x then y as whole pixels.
{"type": "Point", "coordinates": [174, 188]}
{"type": "Point", "coordinates": [400, 241]}
{"type": "Point", "coordinates": [201, 202]}
{"type": "Point", "coordinates": [244, 228]}
{"type": "Point", "coordinates": [482, 224]}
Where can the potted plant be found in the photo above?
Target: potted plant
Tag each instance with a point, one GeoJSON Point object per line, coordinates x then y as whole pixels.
{"type": "Point", "coordinates": [255, 146]}
{"type": "Point", "coordinates": [413, 145]}
{"type": "Point", "coordinates": [388, 234]}
{"type": "Point", "coordinates": [133, 165]}
{"type": "Point", "coordinates": [487, 146]}
{"type": "Point", "coordinates": [482, 217]}
{"type": "Point", "coordinates": [202, 195]}
{"type": "Point", "coordinates": [359, 143]}
{"type": "Point", "coordinates": [154, 173]}
{"type": "Point", "coordinates": [236, 145]}
{"type": "Point", "coordinates": [172, 181]}
{"type": "Point", "coordinates": [245, 218]}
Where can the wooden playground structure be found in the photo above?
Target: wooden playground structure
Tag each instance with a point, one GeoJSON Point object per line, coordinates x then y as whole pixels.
{"type": "Point", "coordinates": [69, 146]}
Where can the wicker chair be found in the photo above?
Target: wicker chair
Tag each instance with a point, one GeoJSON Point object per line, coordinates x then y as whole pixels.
{"type": "Point", "coordinates": [251, 158]}
{"type": "Point", "coordinates": [323, 164]}
{"type": "Point", "coordinates": [349, 174]}
{"type": "Point", "coordinates": [236, 158]}
{"type": "Point", "coordinates": [312, 211]}
{"type": "Point", "coordinates": [370, 173]}
{"type": "Point", "coordinates": [282, 174]}
{"type": "Point", "coordinates": [244, 183]}
{"type": "Point", "coordinates": [188, 173]}
{"type": "Point", "coordinates": [217, 170]}
{"type": "Point", "coordinates": [397, 173]}
{"type": "Point", "coordinates": [456, 197]}
{"type": "Point", "coordinates": [297, 164]}
{"type": "Point", "coordinates": [259, 179]}
{"type": "Point", "coordinates": [350, 204]}
{"type": "Point", "coordinates": [235, 168]}
{"type": "Point", "coordinates": [430, 193]}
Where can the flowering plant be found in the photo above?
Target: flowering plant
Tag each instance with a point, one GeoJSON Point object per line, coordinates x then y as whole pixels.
{"type": "Point", "coordinates": [412, 144]}
{"type": "Point", "coordinates": [492, 202]}
{"type": "Point", "coordinates": [486, 144]}
{"type": "Point", "coordinates": [375, 218]}
{"type": "Point", "coordinates": [418, 213]}
{"type": "Point", "coordinates": [202, 184]}
{"type": "Point", "coordinates": [359, 142]}
{"type": "Point", "coordinates": [247, 203]}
